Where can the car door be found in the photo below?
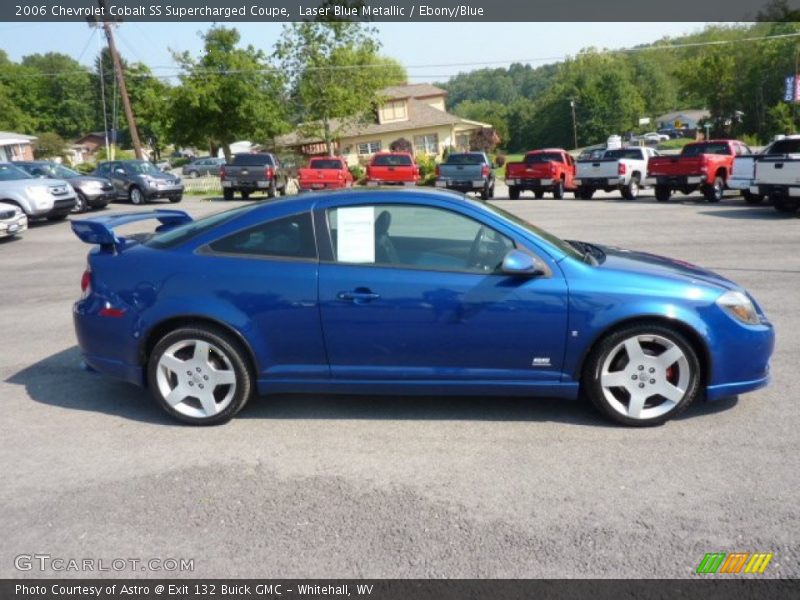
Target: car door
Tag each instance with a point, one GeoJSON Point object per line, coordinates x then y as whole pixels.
{"type": "Point", "coordinates": [412, 292]}
{"type": "Point", "coordinates": [119, 178]}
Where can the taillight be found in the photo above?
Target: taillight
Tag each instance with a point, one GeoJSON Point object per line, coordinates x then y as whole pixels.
{"type": "Point", "coordinates": [553, 169]}
{"type": "Point", "coordinates": [703, 163]}
{"type": "Point", "coordinates": [621, 168]}
{"type": "Point", "coordinates": [485, 171]}
{"type": "Point", "coordinates": [268, 172]}
{"type": "Point", "coordinates": [222, 172]}
{"type": "Point", "coordinates": [438, 171]}
{"type": "Point", "coordinates": [341, 175]}
{"type": "Point", "coordinates": [86, 281]}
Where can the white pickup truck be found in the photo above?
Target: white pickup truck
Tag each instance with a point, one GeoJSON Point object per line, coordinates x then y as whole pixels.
{"type": "Point", "coordinates": [773, 174]}
{"type": "Point", "coordinates": [620, 169]}
{"type": "Point", "coordinates": [743, 172]}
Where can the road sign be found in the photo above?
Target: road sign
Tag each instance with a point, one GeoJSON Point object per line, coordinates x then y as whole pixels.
{"type": "Point", "coordinates": [789, 89]}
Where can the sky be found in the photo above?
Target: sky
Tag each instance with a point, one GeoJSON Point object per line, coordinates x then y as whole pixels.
{"type": "Point", "coordinates": [430, 51]}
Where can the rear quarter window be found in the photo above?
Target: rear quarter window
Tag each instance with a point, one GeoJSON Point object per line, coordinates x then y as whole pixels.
{"type": "Point", "coordinates": [287, 237]}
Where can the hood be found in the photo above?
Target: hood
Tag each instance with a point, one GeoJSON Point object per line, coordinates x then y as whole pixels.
{"type": "Point", "coordinates": [84, 179]}
{"type": "Point", "coordinates": [643, 263]}
{"type": "Point", "coordinates": [161, 176]}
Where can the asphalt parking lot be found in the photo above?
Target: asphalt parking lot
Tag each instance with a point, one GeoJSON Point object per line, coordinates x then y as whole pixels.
{"type": "Point", "coordinates": [318, 486]}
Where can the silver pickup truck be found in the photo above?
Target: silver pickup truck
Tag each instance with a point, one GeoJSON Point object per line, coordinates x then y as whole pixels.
{"type": "Point", "coordinates": [52, 199]}
{"type": "Point", "coordinates": [621, 169]}
{"type": "Point", "coordinates": [467, 172]}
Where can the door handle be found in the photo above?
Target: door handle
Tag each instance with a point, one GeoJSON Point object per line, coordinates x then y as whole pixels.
{"type": "Point", "coordinates": [358, 296]}
{"type": "Point", "coordinates": [778, 165]}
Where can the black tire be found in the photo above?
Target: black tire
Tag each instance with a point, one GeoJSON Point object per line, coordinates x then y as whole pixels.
{"type": "Point", "coordinates": [227, 194]}
{"type": "Point", "coordinates": [136, 196]}
{"type": "Point", "coordinates": [631, 191]}
{"type": "Point", "coordinates": [245, 195]}
{"type": "Point", "coordinates": [538, 195]}
{"type": "Point", "coordinates": [590, 380]}
{"type": "Point", "coordinates": [752, 198]}
{"type": "Point", "coordinates": [513, 193]}
{"type": "Point", "coordinates": [272, 189]}
{"type": "Point", "coordinates": [175, 199]}
{"type": "Point", "coordinates": [663, 193]}
{"type": "Point", "coordinates": [715, 191]}
{"type": "Point", "coordinates": [484, 193]}
{"type": "Point", "coordinates": [233, 352]}
{"type": "Point", "coordinates": [784, 204]}
{"type": "Point", "coordinates": [558, 191]}
{"type": "Point", "coordinates": [81, 203]}
{"type": "Point", "coordinates": [491, 191]}
{"type": "Point", "coordinates": [194, 174]}
{"type": "Point", "coordinates": [583, 193]}
{"type": "Point", "coordinates": [282, 190]}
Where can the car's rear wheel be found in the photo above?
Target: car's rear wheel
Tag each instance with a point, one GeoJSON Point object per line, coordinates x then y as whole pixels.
{"type": "Point", "coordinates": [245, 195]}
{"type": "Point", "coordinates": [785, 204]}
{"type": "Point", "coordinates": [227, 194]}
{"type": "Point", "coordinates": [662, 193]}
{"type": "Point", "coordinates": [175, 199]}
{"type": "Point", "coordinates": [200, 375]}
{"type": "Point", "coordinates": [642, 375]}
{"type": "Point", "coordinates": [631, 191]}
{"type": "Point", "coordinates": [272, 189]}
{"type": "Point", "coordinates": [538, 195]}
{"type": "Point", "coordinates": [513, 192]}
{"type": "Point", "coordinates": [752, 198]}
{"type": "Point", "coordinates": [136, 196]}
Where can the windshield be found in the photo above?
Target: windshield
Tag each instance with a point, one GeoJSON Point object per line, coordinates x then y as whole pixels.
{"type": "Point", "coordinates": [63, 172]}
{"type": "Point", "coordinates": [11, 173]}
{"type": "Point", "coordinates": [325, 163]}
{"type": "Point", "coordinates": [634, 153]}
{"type": "Point", "coordinates": [562, 245]}
{"type": "Point", "coordinates": [143, 167]}
{"type": "Point", "coordinates": [392, 160]}
{"type": "Point", "coordinates": [184, 233]}
{"type": "Point", "coordinates": [709, 148]}
{"type": "Point", "coordinates": [542, 157]}
{"type": "Point", "coordinates": [465, 159]}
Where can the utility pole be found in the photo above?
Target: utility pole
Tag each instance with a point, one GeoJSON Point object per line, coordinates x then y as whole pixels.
{"type": "Point", "coordinates": [123, 90]}
{"type": "Point", "coordinates": [574, 124]}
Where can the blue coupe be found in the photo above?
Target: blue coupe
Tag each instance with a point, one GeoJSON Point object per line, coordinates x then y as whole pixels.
{"type": "Point", "coordinates": [405, 292]}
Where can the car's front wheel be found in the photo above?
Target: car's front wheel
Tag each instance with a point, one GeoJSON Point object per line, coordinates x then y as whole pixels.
{"type": "Point", "coordinates": [200, 375]}
{"type": "Point", "coordinates": [642, 375]}
{"type": "Point", "coordinates": [81, 204]}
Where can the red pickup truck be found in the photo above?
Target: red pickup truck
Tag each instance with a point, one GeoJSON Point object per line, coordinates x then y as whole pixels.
{"type": "Point", "coordinates": [547, 170]}
{"type": "Point", "coordinates": [700, 165]}
{"type": "Point", "coordinates": [392, 168]}
{"type": "Point", "coordinates": [329, 172]}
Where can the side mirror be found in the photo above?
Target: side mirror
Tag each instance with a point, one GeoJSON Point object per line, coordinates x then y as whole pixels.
{"type": "Point", "coordinates": [119, 171]}
{"type": "Point", "coordinates": [520, 263]}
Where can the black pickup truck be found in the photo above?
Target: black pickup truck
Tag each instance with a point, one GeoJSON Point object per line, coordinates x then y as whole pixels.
{"type": "Point", "coordinates": [253, 172]}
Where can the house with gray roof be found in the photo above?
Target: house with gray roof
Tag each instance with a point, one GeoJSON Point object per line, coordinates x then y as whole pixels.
{"type": "Point", "coordinates": [15, 146]}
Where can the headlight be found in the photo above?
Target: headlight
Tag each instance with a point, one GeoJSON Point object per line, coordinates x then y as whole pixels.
{"type": "Point", "coordinates": [739, 306]}
{"type": "Point", "coordinates": [93, 184]}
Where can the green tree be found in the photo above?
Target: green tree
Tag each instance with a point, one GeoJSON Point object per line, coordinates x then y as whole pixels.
{"type": "Point", "coordinates": [334, 74]}
{"type": "Point", "coordinates": [227, 94]}
{"type": "Point", "coordinates": [487, 111]}
{"type": "Point", "coordinates": [49, 145]}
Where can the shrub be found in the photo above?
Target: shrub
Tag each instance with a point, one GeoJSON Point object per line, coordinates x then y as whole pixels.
{"type": "Point", "coordinates": [484, 140]}
{"type": "Point", "coordinates": [401, 145]}
{"type": "Point", "coordinates": [357, 172]}
{"type": "Point", "coordinates": [751, 140]}
{"type": "Point", "coordinates": [427, 169]}
{"type": "Point", "coordinates": [118, 153]}
{"type": "Point", "coordinates": [178, 162]}
{"type": "Point", "coordinates": [499, 160]}
{"type": "Point", "coordinates": [49, 145]}
{"type": "Point", "coordinates": [85, 168]}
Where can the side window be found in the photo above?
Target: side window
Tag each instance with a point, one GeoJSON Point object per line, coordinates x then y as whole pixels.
{"type": "Point", "coordinates": [415, 237]}
{"type": "Point", "coordinates": [103, 169]}
{"type": "Point", "coordinates": [288, 237]}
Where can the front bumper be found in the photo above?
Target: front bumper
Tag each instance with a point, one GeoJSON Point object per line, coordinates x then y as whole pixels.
{"type": "Point", "coordinates": [172, 191]}
{"type": "Point", "coordinates": [99, 198]}
{"type": "Point", "coordinates": [13, 226]}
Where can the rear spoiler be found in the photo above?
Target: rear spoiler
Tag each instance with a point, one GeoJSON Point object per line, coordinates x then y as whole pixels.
{"type": "Point", "coordinates": [100, 230]}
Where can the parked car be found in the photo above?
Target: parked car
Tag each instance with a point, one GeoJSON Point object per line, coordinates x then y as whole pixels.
{"type": "Point", "coordinates": [140, 181]}
{"type": "Point", "coordinates": [52, 199]}
{"type": "Point", "coordinates": [413, 292]}
{"type": "Point", "coordinates": [743, 172]}
{"type": "Point", "coordinates": [92, 192]}
{"type": "Point", "coordinates": [622, 170]}
{"type": "Point", "coordinates": [392, 168]}
{"type": "Point", "coordinates": [467, 172]}
{"type": "Point", "coordinates": [700, 165]}
{"type": "Point", "coordinates": [12, 220]}
{"type": "Point", "coordinates": [654, 137]}
{"type": "Point", "coordinates": [253, 172]}
{"type": "Point", "coordinates": [548, 170]}
{"type": "Point", "coordinates": [203, 167]}
{"type": "Point", "coordinates": [325, 172]}
{"type": "Point", "coordinates": [776, 175]}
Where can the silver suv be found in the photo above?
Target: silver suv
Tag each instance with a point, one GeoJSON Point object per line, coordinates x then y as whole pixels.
{"type": "Point", "coordinates": [52, 199]}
